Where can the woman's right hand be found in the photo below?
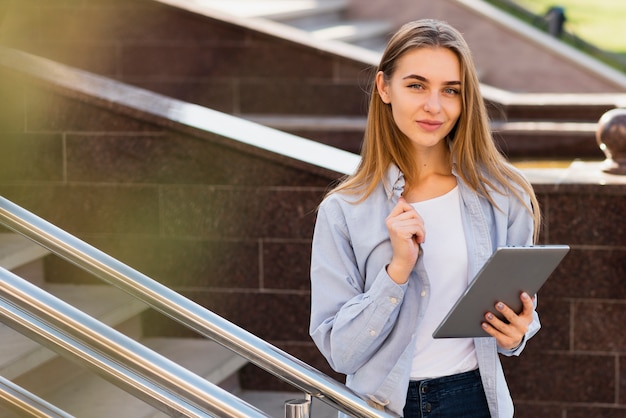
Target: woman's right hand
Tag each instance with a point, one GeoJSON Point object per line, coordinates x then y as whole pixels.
{"type": "Point", "coordinates": [406, 231]}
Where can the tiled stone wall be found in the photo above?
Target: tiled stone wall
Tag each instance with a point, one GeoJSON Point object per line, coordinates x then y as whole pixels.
{"type": "Point", "coordinates": [574, 367]}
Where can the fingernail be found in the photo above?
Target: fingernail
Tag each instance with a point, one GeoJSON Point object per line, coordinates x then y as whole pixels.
{"type": "Point", "coordinates": [500, 306]}
{"type": "Point", "coordinates": [484, 325]}
{"type": "Point", "coordinates": [525, 296]}
{"type": "Point", "coordinates": [489, 316]}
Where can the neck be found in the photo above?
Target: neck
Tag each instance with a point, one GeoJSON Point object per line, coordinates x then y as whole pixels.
{"type": "Point", "coordinates": [432, 161]}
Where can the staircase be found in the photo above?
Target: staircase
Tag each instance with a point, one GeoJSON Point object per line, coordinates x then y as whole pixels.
{"type": "Point", "coordinates": [526, 126]}
{"type": "Point", "coordinates": [84, 394]}
{"type": "Point", "coordinates": [323, 19]}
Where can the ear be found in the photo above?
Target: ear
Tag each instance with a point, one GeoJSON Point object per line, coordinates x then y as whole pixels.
{"type": "Point", "coordinates": [381, 86]}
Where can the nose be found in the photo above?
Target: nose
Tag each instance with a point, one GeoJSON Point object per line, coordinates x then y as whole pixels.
{"type": "Point", "coordinates": [432, 104]}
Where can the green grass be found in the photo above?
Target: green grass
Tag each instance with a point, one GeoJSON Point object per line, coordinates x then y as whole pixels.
{"type": "Point", "coordinates": [599, 22]}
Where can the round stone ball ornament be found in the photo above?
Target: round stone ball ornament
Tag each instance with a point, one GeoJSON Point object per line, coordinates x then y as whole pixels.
{"type": "Point", "coordinates": [611, 137]}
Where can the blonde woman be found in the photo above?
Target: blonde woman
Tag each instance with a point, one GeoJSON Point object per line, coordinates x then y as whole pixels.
{"type": "Point", "coordinates": [397, 242]}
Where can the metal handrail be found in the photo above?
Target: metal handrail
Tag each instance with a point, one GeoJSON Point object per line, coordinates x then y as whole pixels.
{"type": "Point", "coordinates": [24, 402]}
{"type": "Point", "coordinates": [190, 314]}
{"type": "Point", "coordinates": [123, 361]}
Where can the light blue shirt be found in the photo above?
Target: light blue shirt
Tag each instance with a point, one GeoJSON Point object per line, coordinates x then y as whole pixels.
{"type": "Point", "coordinates": [364, 323]}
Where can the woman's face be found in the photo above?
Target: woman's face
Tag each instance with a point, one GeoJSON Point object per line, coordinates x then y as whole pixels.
{"type": "Point", "coordinates": [425, 94]}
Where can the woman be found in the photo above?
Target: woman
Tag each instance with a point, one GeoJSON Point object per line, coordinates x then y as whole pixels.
{"type": "Point", "coordinates": [397, 242]}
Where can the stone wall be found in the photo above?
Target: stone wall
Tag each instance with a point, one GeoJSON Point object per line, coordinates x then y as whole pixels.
{"type": "Point", "coordinates": [575, 366]}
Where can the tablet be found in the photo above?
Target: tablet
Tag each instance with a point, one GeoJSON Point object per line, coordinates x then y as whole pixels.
{"type": "Point", "coordinates": [508, 272]}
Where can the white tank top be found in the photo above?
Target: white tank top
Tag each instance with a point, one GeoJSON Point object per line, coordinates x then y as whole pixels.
{"type": "Point", "coordinates": [445, 260]}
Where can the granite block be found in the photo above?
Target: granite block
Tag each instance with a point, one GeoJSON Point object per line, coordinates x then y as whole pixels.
{"type": "Point", "coordinates": [347, 140]}
{"type": "Point", "coordinates": [589, 273]}
{"type": "Point", "coordinates": [600, 326]}
{"type": "Point", "coordinates": [91, 208]}
{"type": "Point", "coordinates": [216, 94]}
{"type": "Point", "coordinates": [286, 265]}
{"type": "Point", "coordinates": [561, 377]}
{"type": "Point", "coordinates": [12, 106]}
{"type": "Point", "coordinates": [95, 58]}
{"type": "Point", "coordinates": [572, 112]}
{"type": "Point", "coordinates": [622, 380]}
{"type": "Point", "coordinates": [555, 332]}
{"type": "Point", "coordinates": [48, 111]}
{"type": "Point", "coordinates": [31, 157]}
{"type": "Point", "coordinates": [587, 219]}
{"type": "Point", "coordinates": [178, 264]}
{"type": "Point", "coordinates": [208, 61]}
{"type": "Point", "coordinates": [270, 316]}
{"type": "Point", "coordinates": [172, 158]}
{"type": "Point", "coordinates": [253, 377]}
{"type": "Point", "coordinates": [236, 212]}
{"type": "Point", "coordinates": [360, 72]}
{"type": "Point", "coordinates": [548, 145]}
{"type": "Point", "coordinates": [182, 264]}
{"type": "Point", "coordinates": [535, 410]}
{"type": "Point", "coordinates": [595, 411]}
{"type": "Point", "coordinates": [273, 96]}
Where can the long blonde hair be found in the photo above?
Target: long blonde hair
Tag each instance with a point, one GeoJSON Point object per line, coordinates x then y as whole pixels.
{"type": "Point", "coordinates": [471, 143]}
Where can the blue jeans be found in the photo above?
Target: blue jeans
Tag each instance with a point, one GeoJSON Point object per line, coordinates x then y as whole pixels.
{"type": "Point", "coordinates": [456, 396]}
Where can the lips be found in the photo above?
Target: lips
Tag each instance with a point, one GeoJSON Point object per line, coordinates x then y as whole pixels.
{"type": "Point", "coordinates": [429, 125]}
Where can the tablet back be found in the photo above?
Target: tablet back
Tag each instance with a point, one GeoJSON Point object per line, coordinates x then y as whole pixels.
{"type": "Point", "coordinates": [508, 272]}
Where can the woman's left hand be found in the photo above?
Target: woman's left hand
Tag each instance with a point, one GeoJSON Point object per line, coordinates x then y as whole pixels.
{"type": "Point", "coordinates": [509, 336]}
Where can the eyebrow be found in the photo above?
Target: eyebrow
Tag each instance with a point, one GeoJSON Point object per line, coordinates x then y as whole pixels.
{"type": "Point", "coordinates": [424, 79]}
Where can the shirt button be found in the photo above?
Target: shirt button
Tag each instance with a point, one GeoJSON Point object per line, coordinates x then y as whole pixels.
{"type": "Point", "coordinates": [373, 333]}
{"type": "Point", "coordinates": [423, 293]}
{"type": "Point", "coordinates": [428, 407]}
{"type": "Point", "coordinates": [393, 300]}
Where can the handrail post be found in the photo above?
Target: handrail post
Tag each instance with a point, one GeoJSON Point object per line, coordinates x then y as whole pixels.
{"type": "Point", "coordinates": [298, 408]}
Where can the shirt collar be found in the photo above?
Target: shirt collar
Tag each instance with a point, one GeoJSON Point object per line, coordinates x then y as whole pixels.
{"type": "Point", "coordinates": [394, 181]}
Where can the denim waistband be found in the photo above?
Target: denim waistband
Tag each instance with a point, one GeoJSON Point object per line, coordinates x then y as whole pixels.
{"type": "Point", "coordinates": [433, 383]}
{"type": "Point", "coordinates": [448, 396]}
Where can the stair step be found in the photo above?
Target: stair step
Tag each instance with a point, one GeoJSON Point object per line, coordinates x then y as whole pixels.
{"type": "Point", "coordinates": [360, 33]}
{"type": "Point", "coordinates": [321, 18]}
{"type": "Point", "coordinates": [111, 306]}
{"type": "Point", "coordinates": [204, 357]}
{"type": "Point", "coordinates": [89, 395]}
{"type": "Point", "coordinates": [16, 251]}
{"type": "Point", "coordinates": [279, 10]}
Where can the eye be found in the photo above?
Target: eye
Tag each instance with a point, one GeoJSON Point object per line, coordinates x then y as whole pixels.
{"type": "Point", "coordinates": [451, 91]}
{"type": "Point", "coordinates": [417, 86]}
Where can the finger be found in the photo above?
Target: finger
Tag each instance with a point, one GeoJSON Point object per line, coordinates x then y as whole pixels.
{"type": "Point", "coordinates": [406, 222]}
{"type": "Point", "coordinates": [506, 335]}
{"type": "Point", "coordinates": [400, 207]}
{"type": "Point", "coordinates": [517, 325]}
{"type": "Point", "coordinates": [528, 303]}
